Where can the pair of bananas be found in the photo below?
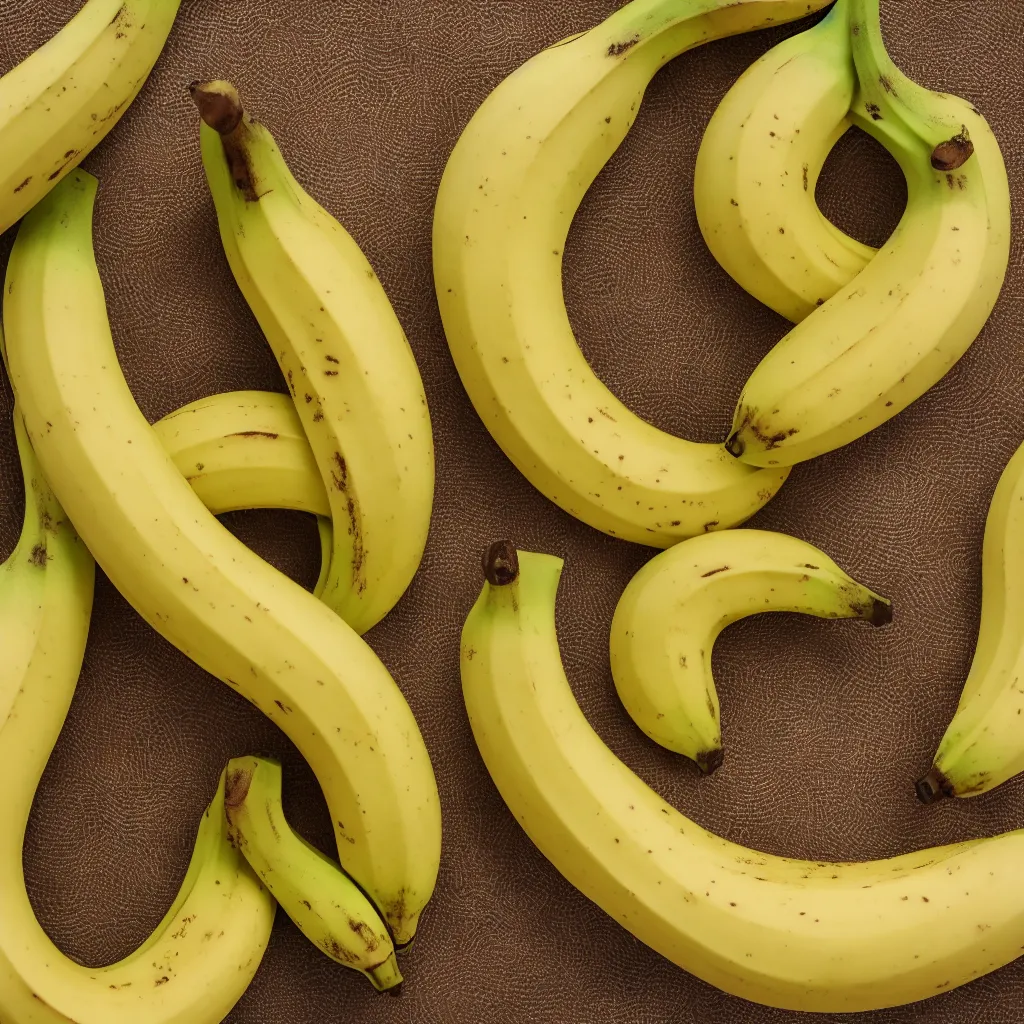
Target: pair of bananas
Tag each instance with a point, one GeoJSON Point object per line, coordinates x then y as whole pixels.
{"type": "Point", "coordinates": [873, 332]}
{"type": "Point", "coordinates": [875, 329]}
{"type": "Point", "coordinates": [351, 443]}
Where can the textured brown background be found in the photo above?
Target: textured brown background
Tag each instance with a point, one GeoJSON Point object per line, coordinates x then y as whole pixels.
{"type": "Point", "coordinates": [826, 724]}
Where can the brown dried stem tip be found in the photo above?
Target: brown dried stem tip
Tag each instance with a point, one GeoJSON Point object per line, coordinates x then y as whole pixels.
{"type": "Point", "coordinates": [709, 761]}
{"type": "Point", "coordinates": [734, 445]}
{"type": "Point", "coordinates": [881, 612]}
{"type": "Point", "coordinates": [501, 563]}
{"type": "Point", "coordinates": [954, 152]}
{"type": "Point", "coordinates": [219, 104]}
{"type": "Point", "coordinates": [934, 786]}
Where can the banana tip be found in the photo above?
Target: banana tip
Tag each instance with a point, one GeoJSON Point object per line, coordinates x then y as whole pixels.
{"type": "Point", "coordinates": [501, 563]}
{"type": "Point", "coordinates": [880, 613]}
{"type": "Point", "coordinates": [709, 761]}
{"type": "Point", "coordinates": [734, 445]}
{"type": "Point", "coordinates": [218, 103]}
{"type": "Point", "coordinates": [932, 787]}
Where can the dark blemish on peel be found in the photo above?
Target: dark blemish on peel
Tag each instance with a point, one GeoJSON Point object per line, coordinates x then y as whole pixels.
{"type": "Point", "coordinates": [712, 572]}
{"type": "Point", "coordinates": [618, 49]}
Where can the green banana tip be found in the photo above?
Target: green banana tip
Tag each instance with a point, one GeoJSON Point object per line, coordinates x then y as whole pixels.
{"type": "Point", "coordinates": [501, 563]}
{"type": "Point", "coordinates": [218, 103]}
{"type": "Point", "coordinates": [933, 786]}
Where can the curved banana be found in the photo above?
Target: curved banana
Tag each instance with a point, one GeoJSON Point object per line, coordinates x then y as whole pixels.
{"type": "Point", "coordinates": [61, 101]}
{"type": "Point", "coordinates": [983, 746]}
{"type": "Point", "coordinates": [802, 935]}
{"type": "Point", "coordinates": [195, 583]}
{"type": "Point", "coordinates": [323, 902]}
{"type": "Point", "coordinates": [903, 321]}
{"type": "Point", "coordinates": [202, 956]}
{"type": "Point", "coordinates": [671, 613]}
{"type": "Point", "coordinates": [758, 165]}
{"type": "Point", "coordinates": [244, 449]}
{"type": "Point", "coordinates": [505, 203]}
{"type": "Point", "coordinates": [247, 449]}
{"type": "Point", "coordinates": [342, 350]}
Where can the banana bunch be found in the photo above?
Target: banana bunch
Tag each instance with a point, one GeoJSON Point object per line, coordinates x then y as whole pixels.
{"type": "Point", "coordinates": [340, 346]}
{"type": "Point", "coordinates": [669, 616]}
{"type": "Point", "coordinates": [507, 197]}
{"type": "Point", "coordinates": [203, 954]}
{"type": "Point", "coordinates": [758, 165]}
{"type": "Point", "coordinates": [61, 101]}
{"type": "Point", "coordinates": [874, 332]}
{"type": "Point", "coordinates": [802, 935]}
{"type": "Point", "coordinates": [197, 585]}
{"type": "Point", "coordinates": [984, 744]}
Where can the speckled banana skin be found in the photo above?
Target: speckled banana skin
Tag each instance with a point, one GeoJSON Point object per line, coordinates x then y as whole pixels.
{"type": "Point", "coordinates": [507, 198]}
{"type": "Point", "coordinates": [802, 935]}
{"type": "Point", "coordinates": [195, 583]}
{"type": "Point", "coordinates": [671, 613]}
{"type": "Point", "coordinates": [61, 101]}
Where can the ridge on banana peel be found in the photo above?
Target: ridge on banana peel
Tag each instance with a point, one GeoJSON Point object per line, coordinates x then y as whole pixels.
{"type": "Point", "coordinates": [759, 162]}
{"type": "Point", "coordinates": [201, 957]}
{"type": "Point", "coordinates": [323, 902]}
{"type": "Point", "coordinates": [507, 197]}
{"type": "Point", "coordinates": [346, 359]}
{"type": "Point", "coordinates": [195, 583]}
{"type": "Point", "coordinates": [885, 338]}
{"type": "Point", "coordinates": [783, 932]}
{"type": "Point", "coordinates": [669, 616]}
{"type": "Point", "coordinates": [61, 101]}
{"type": "Point", "coordinates": [983, 746]}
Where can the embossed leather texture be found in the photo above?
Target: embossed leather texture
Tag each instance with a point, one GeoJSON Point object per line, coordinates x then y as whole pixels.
{"type": "Point", "coordinates": [826, 724]}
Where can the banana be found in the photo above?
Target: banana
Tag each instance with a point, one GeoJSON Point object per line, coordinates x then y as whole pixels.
{"type": "Point", "coordinates": [61, 101]}
{"type": "Point", "coordinates": [244, 449]}
{"type": "Point", "coordinates": [322, 901]}
{"type": "Point", "coordinates": [801, 935]}
{"type": "Point", "coordinates": [202, 956]}
{"type": "Point", "coordinates": [342, 350]}
{"type": "Point", "coordinates": [758, 165]}
{"type": "Point", "coordinates": [506, 200]}
{"type": "Point", "coordinates": [671, 613]}
{"type": "Point", "coordinates": [195, 583]}
{"type": "Point", "coordinates": [880, 342]}
{"type": "Point", "coordinates": [983, 746]}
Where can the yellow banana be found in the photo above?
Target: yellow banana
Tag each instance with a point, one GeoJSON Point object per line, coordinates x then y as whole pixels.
{"type": "Point", "coordinates": [758, 165]}
{"type": "Point", "coordinates": [342, 350]}
{"type": "Point", "coordinates": [885, 338]}
{"type": "Point", "coordinates": [505, 203]}
{"type": "Point", "coordinates": [202, 956]}
{"type": "Point", "coordinates": [323, 902]}
{"type": "Point", "coordinates": [802, 935]}
{"type": "Point", "coordinates": [984, 744]}
{"type": "Point", "coordinates": [61, 101]}
{"type": "Point", "coordinates": [668, 619]}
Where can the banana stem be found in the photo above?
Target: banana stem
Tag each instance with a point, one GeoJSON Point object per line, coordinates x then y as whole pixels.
{"type": "Point", "coordinates": [220, 106]}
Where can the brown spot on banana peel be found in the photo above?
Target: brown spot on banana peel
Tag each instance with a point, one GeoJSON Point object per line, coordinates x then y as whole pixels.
{"type": "Point", "coordinates": [618, 49]}
{"type": "Point", "coordinates": [954, 152]}
{"type": "Point", "coordinates": [38, 556]}
{"type": "Point", "coordinates": [253, 433]}
{"type": "Point", "coordinates": [220, 106]}
{"type": "Point", "coordinates": [236, 787]}
{"type": "Point", "coordinates": [501, 563]}
{"type": "Point", "coordinates": [933, 786]}
{"type": "Point", "coordinates": [712, 572]}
